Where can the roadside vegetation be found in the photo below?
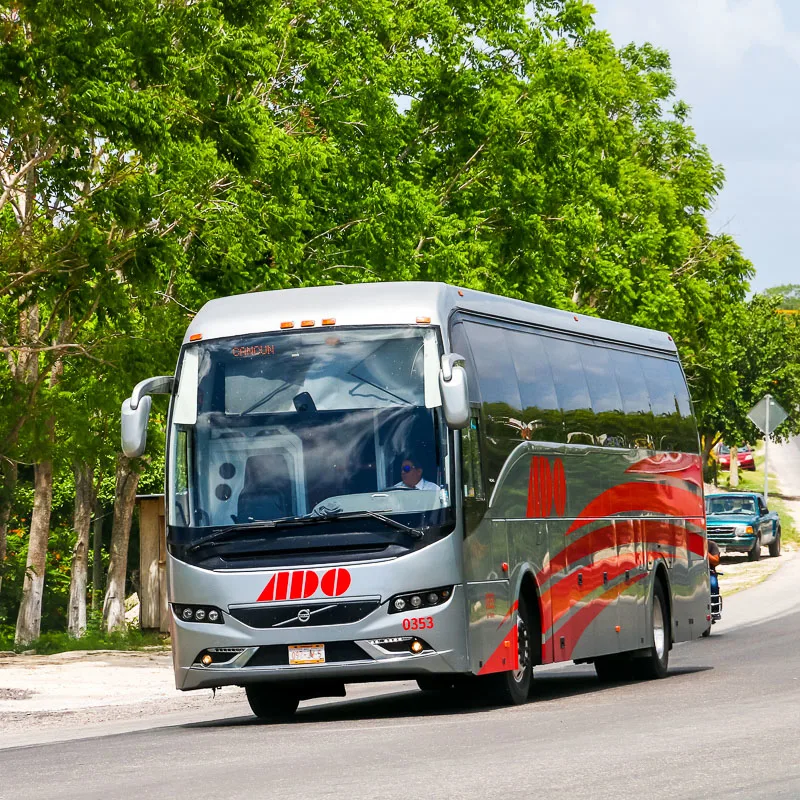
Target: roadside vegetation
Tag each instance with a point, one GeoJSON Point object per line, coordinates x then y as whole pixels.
{"type": "Point", "coordinates": [156, 155]}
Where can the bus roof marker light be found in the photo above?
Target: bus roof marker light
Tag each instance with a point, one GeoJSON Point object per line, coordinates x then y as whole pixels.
{"type": "Point", "coordinates": [195, 337]}
{"type": "Point", "coordinates": [423, 320]}
{"type": "Point", "coordinates": [285, 325]}
{"type": "Point", "coordinates": [329, 321]}
{"type": "Point", "coordinates": [307, 323]}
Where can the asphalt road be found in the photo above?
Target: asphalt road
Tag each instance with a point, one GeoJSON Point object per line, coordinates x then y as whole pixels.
{"type": "Point", "coordinates": [725, 724]}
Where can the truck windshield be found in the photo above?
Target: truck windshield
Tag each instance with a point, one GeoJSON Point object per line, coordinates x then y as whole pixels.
{"type": "Point", "coordinates": [308, 424]}
{"type": "Point", "coordinates": [730, 505]}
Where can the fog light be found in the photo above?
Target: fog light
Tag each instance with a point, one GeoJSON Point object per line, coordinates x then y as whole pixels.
{"type": "Point", "coordinates": [206, 660]}
{"type": "Point", "coordinates": [417, 646]}
{"type": "Point", "coordinates": [399, 604]}
{"type": "Point", "coordinates": [213, 616]}
{"type": "Point", "coordinates": [187, 613]}
{"type": "Point", "coordinates": [433, 598]}
{"type": "Point", "coordinates": [416, 601]}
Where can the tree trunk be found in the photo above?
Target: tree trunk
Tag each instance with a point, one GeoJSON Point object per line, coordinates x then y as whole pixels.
{"type": "Point", "coordinates": [84, 500]}
{"type": "Point", "coordinates": [97, 554]}
{"type": "Point", "coordinates": [8, 475]}
{"type": "Point", "coordinates": [124, 500]}
{"type": "Point", "coordinates": [29, 619]}
{"type": "Point", "coordinates": [734, 467]}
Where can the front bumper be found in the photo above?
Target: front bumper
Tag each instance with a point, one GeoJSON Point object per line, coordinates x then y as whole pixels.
{"type": "Point", "coordinates": [368, 661]}
{"type": "Point", "coordinates": [743, 543]}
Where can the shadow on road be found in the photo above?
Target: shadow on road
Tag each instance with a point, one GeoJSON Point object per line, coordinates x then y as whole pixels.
{"type": "Point", "coordinates": [549, 687]}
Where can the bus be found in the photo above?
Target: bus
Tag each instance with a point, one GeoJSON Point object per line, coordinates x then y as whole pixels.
{"type": "Point", "coordinates": [396, 481]}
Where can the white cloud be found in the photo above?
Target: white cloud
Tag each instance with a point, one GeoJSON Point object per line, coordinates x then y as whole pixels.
{"type": "Point", "coordinates": [716, 33]}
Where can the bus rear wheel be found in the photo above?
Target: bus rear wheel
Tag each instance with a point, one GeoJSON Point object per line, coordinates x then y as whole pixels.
{"type": "Point", "coordinates": [656, 663]}
{"type": "Point", "coordinates": [511, 688]}
{"type": "Point", "coordinates": [271, 703]}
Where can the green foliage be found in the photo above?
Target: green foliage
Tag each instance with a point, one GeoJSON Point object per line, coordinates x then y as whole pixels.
{"type": "Point", "coordinates": [758, 352]}
{"type": "Point", "coordinates": [788, 296]}
{"type": "Point", "coordinates": [169, 153]}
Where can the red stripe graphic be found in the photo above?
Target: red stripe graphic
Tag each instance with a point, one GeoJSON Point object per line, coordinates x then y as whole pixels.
{"type": "Point", "coordinates": [656, 498]}
{"type": "Point", "coordinates": [684, 466]}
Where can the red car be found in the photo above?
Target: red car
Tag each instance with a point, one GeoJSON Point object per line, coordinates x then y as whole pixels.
{"type": "Point", "coordinates": [744, 456]}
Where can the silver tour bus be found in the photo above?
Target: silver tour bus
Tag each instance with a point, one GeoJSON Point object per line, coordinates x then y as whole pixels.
{"type": "Point", "coordinates": [415, 481]}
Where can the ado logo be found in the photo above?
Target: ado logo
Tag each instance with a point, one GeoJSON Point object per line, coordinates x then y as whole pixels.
{"type": "Point", "coordinates": [304, 583]}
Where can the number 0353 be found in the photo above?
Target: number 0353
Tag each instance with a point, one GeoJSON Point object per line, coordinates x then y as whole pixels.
{"type": "Point", "coordinates": [417, 623]}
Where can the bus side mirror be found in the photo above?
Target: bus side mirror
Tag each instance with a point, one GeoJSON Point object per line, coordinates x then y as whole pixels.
{"type": "Point", "coordinates": [134, 426]}
{"type": "Point", "coordinates": [453, 388]}
{"type": "Point", "coordinates": [136, 412]}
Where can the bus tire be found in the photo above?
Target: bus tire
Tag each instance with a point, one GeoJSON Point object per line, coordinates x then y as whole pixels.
{"type": "Point", "coordinates": [656, 663]}
{"type": "Point", "coordinates": [511, 688]}
{"type": "Point", "coordinates": [270, 702]}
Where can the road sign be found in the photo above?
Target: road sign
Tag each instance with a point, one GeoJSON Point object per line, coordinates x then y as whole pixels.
{"type": "Point", "coordinates": [766, 414]}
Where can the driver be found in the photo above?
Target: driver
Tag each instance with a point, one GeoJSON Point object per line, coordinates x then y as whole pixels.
{"type": "Point", "coordinates": [411, 477]}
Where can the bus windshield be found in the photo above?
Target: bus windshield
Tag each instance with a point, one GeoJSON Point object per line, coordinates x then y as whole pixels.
{"type": "Point", "coordinates": [307, 424]}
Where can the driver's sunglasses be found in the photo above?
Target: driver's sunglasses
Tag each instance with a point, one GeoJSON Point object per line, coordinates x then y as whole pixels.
{"type": "Point", "coordinates": [408, 467]}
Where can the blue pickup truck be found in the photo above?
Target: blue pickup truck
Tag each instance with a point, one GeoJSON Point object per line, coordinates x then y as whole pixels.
{"type": "Point", "coordinates": [741, 521]}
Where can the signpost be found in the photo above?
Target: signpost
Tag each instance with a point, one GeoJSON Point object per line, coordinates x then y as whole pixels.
{"type": "Point", "coordinates": [766, 415]}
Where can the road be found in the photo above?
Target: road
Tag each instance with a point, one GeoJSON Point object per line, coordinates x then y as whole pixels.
{"type": "Point", "coordinates": [725, 723]}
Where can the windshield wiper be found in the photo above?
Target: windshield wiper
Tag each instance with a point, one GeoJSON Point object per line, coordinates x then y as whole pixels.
{"type": "Point", "coordinates": [415, 533]}
{"type": "Point", "coordinates": [223, 533]}
{"type": "Point", "coordinates": [298, 522]}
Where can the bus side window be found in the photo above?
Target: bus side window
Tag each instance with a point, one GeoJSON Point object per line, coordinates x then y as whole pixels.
{"type": "Point", "coordinates": [472, 474]}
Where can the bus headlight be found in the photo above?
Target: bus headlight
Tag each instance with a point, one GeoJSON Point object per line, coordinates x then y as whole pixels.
{"type": "Point", "coordinates": [204, 614]}
{"type": "Point", "coordinates": [422, 599]}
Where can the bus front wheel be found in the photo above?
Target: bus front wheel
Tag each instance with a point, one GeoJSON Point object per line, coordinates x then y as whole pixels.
{"type": "Point", "coordinates": [512, 687]}
{"type": "Point", "coordinates": [269, 702]}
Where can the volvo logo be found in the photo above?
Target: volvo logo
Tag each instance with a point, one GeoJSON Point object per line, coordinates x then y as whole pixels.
{"type": "Point", "coordinates": [303, 615]}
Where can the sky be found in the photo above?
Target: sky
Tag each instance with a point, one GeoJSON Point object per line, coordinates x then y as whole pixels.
{"type": "Point", "coordinates": [737, 64]}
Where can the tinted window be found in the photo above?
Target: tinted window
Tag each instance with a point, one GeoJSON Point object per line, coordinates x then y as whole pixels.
{"type": "Point", "coordinates": [606, 399]}
{"type": "Point", "coordinates": [460, 345]}
{"type": "Point", "coordinates": [497, 379]}
{"type": "Point", "coordinates": [541, 413]}
{"type": "Point", "coordinates": [638, 420]}
{"type": "Point", "coordinates": [687, 432]}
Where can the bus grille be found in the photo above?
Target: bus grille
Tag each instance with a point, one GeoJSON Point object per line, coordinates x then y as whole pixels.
{"type": "Point", "coordinates": [318, 614]}
{"type": "Point", "coordinates": [277, 655]}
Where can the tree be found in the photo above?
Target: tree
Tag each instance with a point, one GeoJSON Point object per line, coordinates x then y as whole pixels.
{"type": "Point", "coordinates": [788, 296]}
{"type": "Point", "coordinates": [761, 356]}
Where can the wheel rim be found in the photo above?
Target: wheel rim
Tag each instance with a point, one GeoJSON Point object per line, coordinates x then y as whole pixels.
{"type": "Point", "coordinates": [523, 650]}
{"type": "Point", "coordinates": [659, 631]}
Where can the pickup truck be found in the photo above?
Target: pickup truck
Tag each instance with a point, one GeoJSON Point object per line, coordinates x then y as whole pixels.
{"type": "Point", "coordinates": [741, 521]}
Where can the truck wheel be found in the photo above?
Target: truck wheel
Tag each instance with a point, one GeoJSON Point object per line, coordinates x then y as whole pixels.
{"type": "Point", "coordinates": [755, 553]}
{"type": "Point", "coordinates": [656, 663]}
{"type": "Point", "coordinates": [775, 544]}
{"type": "Point", "coordinates": [269, 702]}
{"type": "Point", "coordinates": [511, 688]}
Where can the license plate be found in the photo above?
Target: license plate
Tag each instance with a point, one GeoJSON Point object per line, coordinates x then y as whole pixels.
{"type": "Point", "coordinates": [307, 654]}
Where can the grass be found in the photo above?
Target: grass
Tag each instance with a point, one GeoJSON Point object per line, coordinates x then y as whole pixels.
{"type": "Point", "coordinates": [61, 642]}
{"type": "Point", "coordinates": [754, 482]}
